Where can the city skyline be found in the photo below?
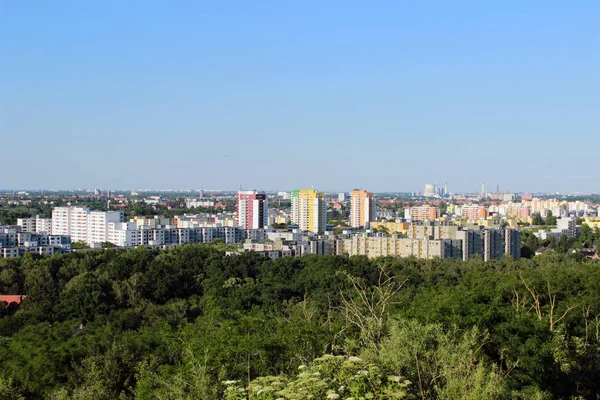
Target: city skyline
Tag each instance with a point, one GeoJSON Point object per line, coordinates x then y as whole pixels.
{"type": "Point", "coordinates": [347, 191]}
{"type": "Point", "coordinates": [268, 96]}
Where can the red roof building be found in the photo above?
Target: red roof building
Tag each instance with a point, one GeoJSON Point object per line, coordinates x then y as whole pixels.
{"type": "Point", "coordinates": [12, 298]}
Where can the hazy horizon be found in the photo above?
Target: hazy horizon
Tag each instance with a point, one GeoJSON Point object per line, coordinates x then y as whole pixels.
{"type": "Point", "coordinates": [228, 190]}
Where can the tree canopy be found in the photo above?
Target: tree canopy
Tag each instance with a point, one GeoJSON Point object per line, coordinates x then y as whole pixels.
{"type": "Point", "coordinates": [191, 322]}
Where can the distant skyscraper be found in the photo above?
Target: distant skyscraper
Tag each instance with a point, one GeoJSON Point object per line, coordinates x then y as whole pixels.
{"type": "Point", "coordinates": [483, 188]}
{"type": "Point", "coordinates": [308, 210]}
{"type": "Point", "coordinates": [252, 209]}
{"type": "Point", "coordinates": [342, 196]}
{"type": "Point", "coordinates": [446, 189]}
{"type": "Point", "coordinates": [362, 211]}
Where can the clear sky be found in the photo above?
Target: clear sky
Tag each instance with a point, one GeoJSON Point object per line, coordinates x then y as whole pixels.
{"type": "Point", "coordinates": [386, 96]}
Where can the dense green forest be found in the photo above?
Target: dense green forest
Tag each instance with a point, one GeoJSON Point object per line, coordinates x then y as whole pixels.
{"type": "Point", "coordinates": [193, 323]}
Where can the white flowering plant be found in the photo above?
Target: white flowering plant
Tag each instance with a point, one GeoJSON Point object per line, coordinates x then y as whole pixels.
{"type": "Point", "coordinates": [328, 377]}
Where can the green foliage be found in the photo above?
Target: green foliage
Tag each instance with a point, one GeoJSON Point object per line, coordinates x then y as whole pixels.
{"type": "Point", "coordinates": [8, 390]}
{"type": "Point", "coordinates": [445, 364]}
{"type": "Point", "coordinates": [550, 219]}
{"type": "Point", "coordinates": [588, 236]}
{"type": "Point", "coordinates": [530, 243]}
{"type": "Point", "coordinates": [189, 379]}
{"type": "Point", "coordinates": [327, 377]}
{"type": "Point", "coordinates": [382, 229]}
{"type": "Point", "coordinates": [9, 213]}
{"type": "Point", "coordinates": [536, 219]}
{"type": "Point", "coordinates": [443, 207]}
{"type": "Point", "coordinates": [176, 324]}
{"type": "Point", "coordinates": [338, 221]}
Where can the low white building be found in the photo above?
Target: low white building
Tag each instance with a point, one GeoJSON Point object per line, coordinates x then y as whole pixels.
{"type": "Point", "coordinates": [564, 227]}
{"type": "Point", "coordinates": [124, 234]}
{"type": "Point", "coordinates": [195, 202]}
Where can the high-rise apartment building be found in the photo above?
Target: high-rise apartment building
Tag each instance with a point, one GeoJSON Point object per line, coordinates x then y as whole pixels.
{"type": "Point", "coordinates": [309, 210]}
{"type": "Point", "coordinates": [252, 209]}
{"type": "Point", "coordinates": [78, 228]}
{"type": "Point", "coordinates": [97, 225]}
{"type": "Point", "coordinates": [512, 243]}
{"type": "Point", "coordinates": [472, 242]}
{"type": "Point", "coordinates": [83, 225]}
{"type": "Point", "coordinates": [493, 244]}
{"type": "Point", "coordinates": [70, 221]}
{"type": "Point", "coordinates": [61, 220]}
{"type": "Point", "coordinates": [362, 208]}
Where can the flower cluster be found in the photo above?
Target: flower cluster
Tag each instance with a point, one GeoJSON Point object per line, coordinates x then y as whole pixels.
{"type": "Point", "coordinates": [328, 377]}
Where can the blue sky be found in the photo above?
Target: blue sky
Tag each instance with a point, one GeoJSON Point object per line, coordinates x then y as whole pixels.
{"type": "Point", "coordinates": [386, 96]}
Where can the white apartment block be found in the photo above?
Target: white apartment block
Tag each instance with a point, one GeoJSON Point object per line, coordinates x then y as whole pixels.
{"type": "Point", "coordinates": [61, 220]}
{"type": "Point", "coordinates": [83, 225]}
{"type": "Point", "coordinates": [26, 224]}
{"type": "Point", "coordinates": [43, 225]}
{"type": "Point", "coordinates": [97, 225]}
{"type": "Point", "coordinates": [78, 224]}
{"type": "Point", "coordinates": [124, 234]}
{"type": "Point", "coordinates": [35, 224]}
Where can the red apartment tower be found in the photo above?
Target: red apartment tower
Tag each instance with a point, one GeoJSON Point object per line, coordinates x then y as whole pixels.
{"type": "Point", "coordinates": [252, 209]}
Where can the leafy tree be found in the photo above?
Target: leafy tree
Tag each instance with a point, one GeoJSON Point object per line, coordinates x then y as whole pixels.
{"type": "Point", "coordinates": [550, 219]}
{"type": "Point", "coordinates": [177, 323]}
{"type": "Point", "coordinates": [367, 307]}
{"type": "Point", "coordinates": [530, 243]}
{"type": "Point", "coordinates": [8, 390]}
{"type": "Point", "coordinates": [443, 207]}
{"type": "Point", "coordinates": [443, 365]}
{"type": "Point", "coordinates": [536, 219]}
{"type": "Point", "coordinates": [586, 235]}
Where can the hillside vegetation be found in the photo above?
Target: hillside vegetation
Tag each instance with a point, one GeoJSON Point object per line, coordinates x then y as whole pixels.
{"type": "Point", "coordinates": [192, 323]}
